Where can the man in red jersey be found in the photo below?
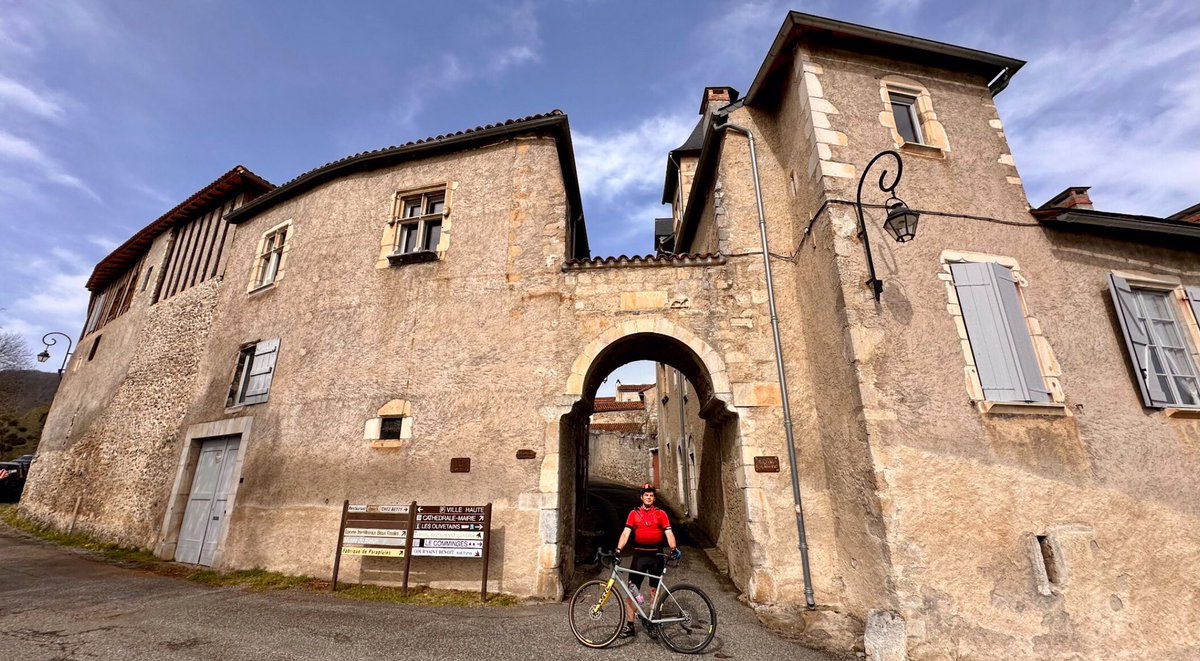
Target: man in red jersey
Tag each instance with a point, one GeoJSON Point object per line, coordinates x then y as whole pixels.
{"type": "Point", "coordinates": [649, 528]}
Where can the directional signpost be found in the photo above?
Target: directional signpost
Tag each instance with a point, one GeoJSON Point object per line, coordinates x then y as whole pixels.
{"type": "Point", "coordinates": [381, 531]}
{"type": "Point", "coordinates": [407, 531]}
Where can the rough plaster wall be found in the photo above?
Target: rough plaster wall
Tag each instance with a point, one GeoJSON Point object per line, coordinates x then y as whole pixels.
{"type": "Point", "coordinates": [122, 464]}
{"type": "Point", "coordinates": [353, 337]}
{"type": "Point", "coordinates": [620, 458]}
{"type": "Point", "coordinates": [964, 493]}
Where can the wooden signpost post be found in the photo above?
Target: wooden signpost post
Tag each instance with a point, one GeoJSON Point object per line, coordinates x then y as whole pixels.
{"type": "Point", "coordinates": [404, 531]}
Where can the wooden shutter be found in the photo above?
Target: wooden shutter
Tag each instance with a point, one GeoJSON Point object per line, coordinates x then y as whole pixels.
{"type": "Point", "coordinates": [1137, 341]}
{"type": "Point", "coordinates": [262, 370]}
{"type": "Point", "coordinates": [1000, 342]}
{"type": "Point", "coordinates": [1193, 295]}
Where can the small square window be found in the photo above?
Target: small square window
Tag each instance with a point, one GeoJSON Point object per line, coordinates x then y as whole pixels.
{"type": "Point", "coordinates": [904, 110]}
{"type": "Point", "coordinates": [391, 428]}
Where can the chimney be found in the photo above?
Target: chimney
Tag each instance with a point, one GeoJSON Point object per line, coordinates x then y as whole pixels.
{"type": "Point", "coordinates": [716, 98]}
{"type": "Point", "coordinates": [1075, 197]}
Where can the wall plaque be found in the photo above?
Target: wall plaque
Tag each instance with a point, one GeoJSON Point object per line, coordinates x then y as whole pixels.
{"type": "Point", "coordinates": [766, 464]}
{"type": "Point", "coordinates": [460, 465]}
{"type": "Point", "coordinates": [526, 454]}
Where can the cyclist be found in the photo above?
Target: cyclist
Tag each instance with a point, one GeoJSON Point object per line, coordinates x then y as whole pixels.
{"type": "Point", "coordinates": [649, 528]}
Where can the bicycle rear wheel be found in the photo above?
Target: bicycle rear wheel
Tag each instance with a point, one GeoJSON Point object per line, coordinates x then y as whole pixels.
{"type": "Point", "coordinates": [596, 624]}
{"type": "Point", "coordinates": [693, 620]}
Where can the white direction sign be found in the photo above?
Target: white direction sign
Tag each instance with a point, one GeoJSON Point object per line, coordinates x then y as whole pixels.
{"type": "Point", "coordinates": [375, 541]}
{"type": "Point", "coordinates": [375, 532]}
{"type": "Point", "coordinates": [442, 534]}
{"type": "Point", "coordinates": [451, 509]}
{"type": "Point", "coordinates": [382, 509]}
{"type": "Point", "coordinates": [445, 553]}
{"type": "Point", "coordinates": [451, 518]}
{"type": "Point", "coordinates": [452, 543]}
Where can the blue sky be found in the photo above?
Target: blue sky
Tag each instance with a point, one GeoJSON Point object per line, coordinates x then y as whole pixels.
{"type": "Point", "coordinates": [110, 114]}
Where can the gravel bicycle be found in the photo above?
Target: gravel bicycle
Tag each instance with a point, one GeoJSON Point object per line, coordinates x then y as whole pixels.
{"type": "Point", "coordinates": [683, 617]}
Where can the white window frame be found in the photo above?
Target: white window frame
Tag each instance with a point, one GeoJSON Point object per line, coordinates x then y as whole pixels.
{"type": "Point", "coordinates": [1183, 313]}
{"type": "Point", "coordinates": [421, 222]}
{"type": "Point", "coordinates": [271, 257]}
{"type": "Point", "coordinates": [910, 103]}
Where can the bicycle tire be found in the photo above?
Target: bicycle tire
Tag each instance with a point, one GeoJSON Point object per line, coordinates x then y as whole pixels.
{"type": "Point", "coordinates": [596, 628]}
{"type": "Point", "coordinates": [699, 626]}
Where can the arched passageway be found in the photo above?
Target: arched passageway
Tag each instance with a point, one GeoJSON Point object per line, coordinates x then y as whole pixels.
{"type": "Point", "coordinates": [718, 507]}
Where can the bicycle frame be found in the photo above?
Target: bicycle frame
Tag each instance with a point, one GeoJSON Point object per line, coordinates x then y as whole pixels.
{"type": "Point", "coordinates": [663, 593]}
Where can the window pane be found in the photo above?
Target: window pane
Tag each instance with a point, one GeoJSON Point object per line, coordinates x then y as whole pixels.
{"type": "Point", "coordinates": [408, 237]}
{"type": "Point", "coordinates": [433, 234]}
{"type": "Point", "coordinates": [435, 204]}
{"type": "Point", "coordinates": [902, 111]}
{"type": "Point", "coordinates": [1188, 394]}
{"type": "Point", "coordinates": [412, 207]}
{"type": "Point", "coordinates": [389, 428]}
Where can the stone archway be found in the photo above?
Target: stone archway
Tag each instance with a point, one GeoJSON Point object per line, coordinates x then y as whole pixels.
{"type": "Point", "coordinates": [663, 341]}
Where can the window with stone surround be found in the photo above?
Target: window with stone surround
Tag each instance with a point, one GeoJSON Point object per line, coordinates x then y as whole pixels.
{"type": "Point", "coordinates": [418, 229]}
{"type": "Point", "coordinates": [392, 424]}
{"type": "Point", "coordinates": [254, 373]}
{"type": "Point", "coordinates": [271, 256]}
{"type": "Point", "coordinates": [910, 116]}
{"type": "Point", "coordinates": [1010, 367]}
{"type": "Point", "coordinates": [1160, 319]}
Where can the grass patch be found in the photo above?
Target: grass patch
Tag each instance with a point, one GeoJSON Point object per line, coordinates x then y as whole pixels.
{"type": "Point", "coordinates": [251, 579]}
{"type": "Point", "coordinates": [423, 596]}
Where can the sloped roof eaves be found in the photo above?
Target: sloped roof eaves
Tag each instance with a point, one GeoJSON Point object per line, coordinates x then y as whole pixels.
{"type": "Point", "coordinates": [706, 170]}
{"type": "Point", "coordinates": [120, 259]}
{"type": "Point", "coordinates": [693, 145]}
{"type": "Point", "coordinates": [1119, 221]}
{"type": "Point", "coordinates": [554, 121]}
{"type": "Point", "coordinates": [899, 45]}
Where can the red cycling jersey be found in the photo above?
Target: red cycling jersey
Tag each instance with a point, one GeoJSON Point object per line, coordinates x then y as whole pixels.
{"type": "Point", "coordinates": [648, 526]}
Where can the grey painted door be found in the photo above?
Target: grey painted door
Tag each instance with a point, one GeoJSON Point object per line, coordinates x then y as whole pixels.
{"type": "Point", "coordinates": [204, 518]}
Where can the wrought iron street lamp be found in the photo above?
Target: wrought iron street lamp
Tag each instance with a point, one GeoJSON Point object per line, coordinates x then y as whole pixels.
{"type": "Point", "coordinates": [901, 222]}
{"type": "Point", "coordinates": [49, 342]}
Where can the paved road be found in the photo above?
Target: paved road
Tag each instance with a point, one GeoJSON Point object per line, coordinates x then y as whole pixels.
{"type": "Point", "coordinates": [59, 604]}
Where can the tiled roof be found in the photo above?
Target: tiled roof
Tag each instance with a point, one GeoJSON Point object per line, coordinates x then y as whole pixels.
{"type": "Point", "coordinates": [386, 156]}
{"type": "Point", "coordinates": [610, 404]}
{"type": "Point", "coordinates": [619, 427]}
{"type": "Point", "coordinates": [706, 259]}
{"type": "Point", "coordinates": [635, 387]}
{"type": "Point", "coordinates": [115, 264]}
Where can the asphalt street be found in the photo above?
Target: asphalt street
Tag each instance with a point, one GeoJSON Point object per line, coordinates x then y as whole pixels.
{"type": "Point", "coordinates": [57, 603]}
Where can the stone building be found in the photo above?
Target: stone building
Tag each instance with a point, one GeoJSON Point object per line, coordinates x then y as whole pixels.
{"type": "Point", "coordinates": [623, 437]}
{"type": "Point", "coordinates": [996, 439]}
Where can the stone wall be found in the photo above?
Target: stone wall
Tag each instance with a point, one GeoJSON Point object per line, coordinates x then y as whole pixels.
{"type": "Point", "coordinates": [623, 458]}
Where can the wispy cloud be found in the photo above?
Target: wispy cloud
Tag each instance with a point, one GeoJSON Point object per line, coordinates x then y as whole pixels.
{"type": "Point", "coordinates": [516, 42]}
{"type": "Point", "coordinates": [15, 95]}
{"type": "Point", "coordinates": [19, 150]}
{"type": "Point", "coordinates": [631, 158]}
{"type": "Point", "coordinates": [1116, 108]}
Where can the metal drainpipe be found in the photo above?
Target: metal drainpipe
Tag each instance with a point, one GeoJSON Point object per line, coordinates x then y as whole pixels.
{"type": "Point", "coordinates": [787, 411]}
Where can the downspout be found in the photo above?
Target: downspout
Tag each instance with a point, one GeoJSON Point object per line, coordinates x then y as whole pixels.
{"type": "Point", "coordinates": [787, 411]}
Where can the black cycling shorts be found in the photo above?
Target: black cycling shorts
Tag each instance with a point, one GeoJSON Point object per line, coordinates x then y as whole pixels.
{"type": "Point", "coordinates": [650, 562]}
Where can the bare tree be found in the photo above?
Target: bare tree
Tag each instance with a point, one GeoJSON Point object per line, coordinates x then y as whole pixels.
{"type": "Point", "coordinates": [14, 353]}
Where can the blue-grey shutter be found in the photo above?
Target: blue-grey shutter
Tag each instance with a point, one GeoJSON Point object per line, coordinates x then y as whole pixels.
{"type": "Point", "coordinates": [1137, 341]}
{"type": "Point", "coordinates": [262, 370]}
{"type": "Point", "coordinates": [1193, 294]}
{"type": "Point", "coordinates": [1004, 357]}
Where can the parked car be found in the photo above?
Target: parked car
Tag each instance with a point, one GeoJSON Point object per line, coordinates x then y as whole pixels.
{"type": "Point", "coordinates": [12, 479]}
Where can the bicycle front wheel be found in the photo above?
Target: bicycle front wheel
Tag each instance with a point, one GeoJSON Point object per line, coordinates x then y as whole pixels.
{"type": "Point", "coordinates": [689, 619]}
{"type": "Point", "coordinates": [596, 621]}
